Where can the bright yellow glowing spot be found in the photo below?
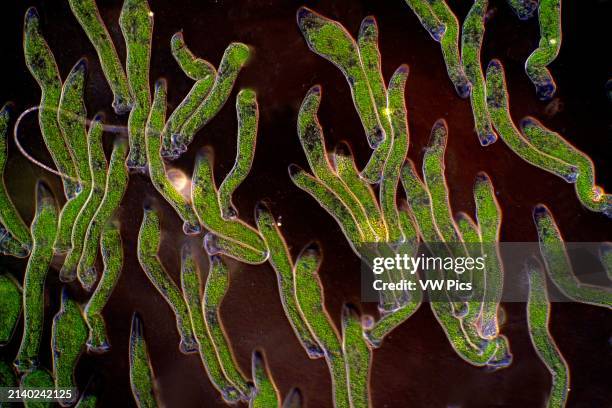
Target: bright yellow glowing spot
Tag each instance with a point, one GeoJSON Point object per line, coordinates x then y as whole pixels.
{"type": "Point", "coordinates": [387, 111]}
{"type": "Point", "coordinates": [180, 181]}
{"type": "Point", "coordinates": [553, 41]}
{"type": "Point", "coordinates": [150, 14]}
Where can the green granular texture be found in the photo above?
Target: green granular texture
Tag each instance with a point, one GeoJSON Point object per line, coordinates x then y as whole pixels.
{"type": "Point", "coordinates": [497, 102]}
{"type": "Point", "coordinates": [87, 14]}
{"type": "Point", "coordinates": [549, 16]}
{"type": "Point", "coordinates": [116, 184]}
{"type": "Point", "coordinates": [247, 112]}
{"type": "Point", "coordinates": [10, 304]}
{"type": "Point", "coordinates": [524, 9]}
{"type": "Point", "coordinates": [97, 168]}
{"type": "Point", "coordinates": [281, 262]}
{"type": "Point", "coordinates": [558, 266]}
{"type": "Point", "coordinates": [358, 358]}
{"type": "Point", "coordinates": [605, 257]}
{"type": "Point", "coordinates": [44, 227]}
{"type": "Point", "coordinates": [215, 244]}
{"type": "Point", "coordinates": [192, 286]}
{"type": "Point", "coordinates": [112, 257]}
{"type": "Point", "coordinates": [68, 336]}
{"type": "Point", "coordinates": [142, 377]}
{"type": "Point", "coordinates": [538, 316]}
{"type": "Point", "coordinates": [419, 202]}
{"type": "Point", "coordinates": [41, 64]}
{"type": "Point", "coordinates": [149, 238]}
{"type": "Point", "coordinates": [194, 67]}
{"type": "Point", "coordinates": [136, 22]}
{"type": "Point", "coordinates": [265, 395]}
{"type": "Point", "coordinates": [7, 375]}
{"type": "Point", "coordinates": [428, 19]}
{"type": "Point", "coordinates": [37, 378]}
{"type": "Point", "coordinates": [471, 44]}
{"type": "Point", "coordinates": [9, 245]}
{"type": "Point", "coordinates": [217, 284]}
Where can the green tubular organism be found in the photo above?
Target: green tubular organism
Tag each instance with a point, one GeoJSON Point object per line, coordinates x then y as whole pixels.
{"type": "Point", "coordinates": [428, 19]}
{"type": "Point", "coordinates": [357, 358]}
{"type": "Point", "coordinates": [217, 284]}
{"type": "Point", "coordinates": [142, 377]}
{"type": "Point", "coordinates": [112, 257]}
{"type": "Point", "coordinates": [265, 394]}
{"type": "Point", "coordinates": [247, 112]}
{"type": "Point", "coordinates": [37, 378]}
{"type": "Point", "coordinates": [9, 245]}
{"type": "Point", "coordinates": [605, 257]}
{"type": "Point", "coordinates": [524, 9]}
{"type": "Point", "coordinates": [43, 231]}
{"type": "Point", "coordinates": [71, 117]}
{"type": "Point", "coordinates": [10, 304]}
{"type": "Point", "coordinates": [218, 245]}
{"type": "Point", "coordinates": [116, 184]}
{"type": "Point", "coordinates": [88, 16]}
{"type": "Point", "coordinates": [41, 64]}
{"type": "Point", "coordinates": [157, 167]}
{"type": "Point", "coordinates": [549, 17]}
{"type": "Point", "coordinates": [330, 40]}
{"type": "Point", "coordinates": [68, 336]}
{"type": "Point", "coordinates": [206, 204]}
{"type": "Point", "coordinates": [497, 102]}
{"type": "Point", "coordinates": [234, 58]}
{"type": "Point", "coordinates": [136, 22]}
{"type": "Point", "coordinates": [558, 266]}
{"type": "Point", "coordinates": [97, 168]}
{"type": "Point", "coordinates": [149, 238]}
{"type": "Point", "coordinates": [293, 399]}
{"type": "Point", "coordinates": [553, 144]}
{"type": "Point", "coordinates": [538, 316]}
{"type": "Point", "coordinates": [281, 262]}
{"type": "Point", "coordinates": [471, 43]}
{"type": "Point", "coordinates": [194, 67]}
{"type": "Point", "coordinates": [7, 378]}
{"type": "Point", "coordinates": [191, 285]}
{"type": "Point", "coordinates": [311, 301]}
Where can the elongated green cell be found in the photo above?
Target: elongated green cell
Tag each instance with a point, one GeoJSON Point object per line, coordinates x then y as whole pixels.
{"type": "Point", "coordinates": [194, 67]}
{"type": "Point", "coordinates": [97, 168]}
{"type": "Point", "coordinates": [553, 144]}
{"type": "Point", "coordinates": [538, 316]}
{"type": "Point", "coordinates": [10, 304]}
{"type": "Point", "coordinates": [9, 245]}
{"type": "Point", "coordinates": [524, 9]}
{"type": "Point", "coordinates": [112, 257]}
{"type": "Point", "coordinates": [41, 63]}
{"type": "Point", "coordinates": [217, 284]}
{"type": "Point", "coordinates": [218, 245]}
{"type": "Point", "coordinates": [265, 394]}
{"type": "Point", "coordinates": [357, 357]}
{"type": "Point", "coordinates": [605, 257]}
{"type": "Point", "coordinates": [234, 58]}
{"type": "Point", "coordinates": [248, 118]}
{"type": "Point", "coordinates": [497, 102]}
{"type": "Point", "coordinates": [558, 266]}
{"type": "Point", "coordinates": [7, 376]}
{"type": "Point", "coordinates": [549, 17]}
{"type": "Point", "coordinates": [43, 232]}
{"type": "Point", "coordinates": [88, 16]}
{"type": "Point", "coordinates": [281, 262]}
{"type": "Point", "coordinates": [428, 19]}
{"type": "Point", "coordinates": [149, 238]}
{"type": "Point", "coordinates": [142, 377]}
{"type": "Point", "coordinates": [294, 399]}
{"type": "Point", "coordinates": [471, 43]}
{"type": "Point", "coordinates": [68, 336]}
{"type": "Point", "coordinates": [71, 117]}
{"type": "Point", "coordinates": [310, 298]}
{"type": "Point", "coordinates": [116, 184]}
{"type": "Point", "coordinates": [206, 204]}
{"type": "Point", "coordinates": [37, 378]}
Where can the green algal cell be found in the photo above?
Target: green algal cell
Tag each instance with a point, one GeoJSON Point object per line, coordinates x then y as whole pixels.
{"type": "Point", "coordinates": [10, 304]}
{"type": "Point", "coordinates": [471, 43]}
{"type": "Point", "coordinates": [234, 58]}
{"type": "Point", "coordinates": [206, 204]}
{"type": "Point", "coordinates": [68, 336]}
{"type": "Point", "coordinates": [553, 144]}
{"type": "Point", "coordinates": [280, 259]}
{"type": "Point", "coordinates": [265, 394]}
{"type": "Point", "coordinates": [217, 284]}
{"type": "Point", "coordinates": [194, 67]}
{"type": "Point", "coordinates": [605, 257]}
{"type": "Point", "coordinates": [248, 118]}
{"type": "Point", "coordinates": [497, 102]}
{"type": "Point", "coordinates": [37, 378]}
{"type": "Point", "coordinates": [112, 257]}
{"type": "Point", "coordinates": [428, 19]}
{"type": "Point", "coordinates": [43, 232]}
{"type": "Point", "coordinates": [558, 266]}
{"type": "Point", "coordinates": [9, 245]}
{"type": "Point", "coordinates": [524, 9]}
{"type": "Point", "coordinates": [149, 238]}
{"type": "Point", "coordinates": [538, 317]}
{"type": "Point", "coordinates": [192, 291]}
{"type": "Point", "coordinates": [87, 14]}
{"type": "Point", "coordinates": [294, 399]}
{"type": "Point", "coordinates": [142, 377]}
{"type": "Point", "coordinates": [41, 63]}
{"type": "Point", "coordinates": [215, 244]}
{"type": "Point", "coordinates": [419, 202]}
{"type": "Point", "coordinates": [136, 22]}
{"type": "Point", "coordinates": [7, 376]}
{"type": "Point", "coordinates": [97, 168]}
{"type": "Point", "coordinates": [549, 16]}
{"type": "Point", "coordinates": [357, 357]}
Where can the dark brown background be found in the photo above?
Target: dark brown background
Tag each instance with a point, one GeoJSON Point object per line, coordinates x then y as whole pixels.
{"type": "Point", "coordinates": [416, 366]}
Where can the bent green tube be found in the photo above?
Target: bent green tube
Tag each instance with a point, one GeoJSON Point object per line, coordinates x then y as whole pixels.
{"type": "Point", "coordinates": [142, 377]}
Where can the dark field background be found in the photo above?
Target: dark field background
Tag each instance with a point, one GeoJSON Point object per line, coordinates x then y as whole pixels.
{"type": "Point", "coordinates": [416, 366]}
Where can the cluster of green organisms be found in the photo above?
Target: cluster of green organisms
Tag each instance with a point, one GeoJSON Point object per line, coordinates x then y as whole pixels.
{"type": "Point", "coordinates": [375, 217]}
